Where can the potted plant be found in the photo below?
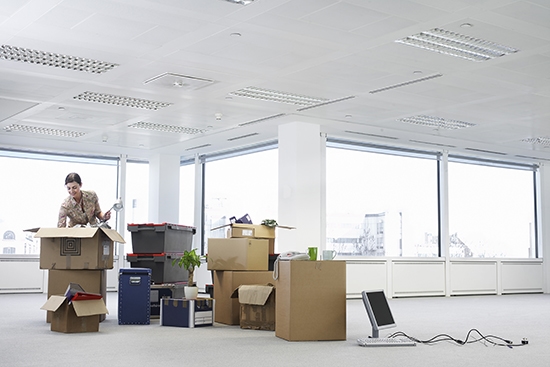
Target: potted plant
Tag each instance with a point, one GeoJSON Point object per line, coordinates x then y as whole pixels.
{"type": "Point", "coordinates": [189, 261]}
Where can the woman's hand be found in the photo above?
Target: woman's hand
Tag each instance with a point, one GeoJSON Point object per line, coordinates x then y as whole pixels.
{"type": "Point", "coordinates": [107, 216]}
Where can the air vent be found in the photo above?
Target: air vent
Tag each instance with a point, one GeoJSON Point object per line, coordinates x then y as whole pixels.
{"type": "Point", "coordinates": [530, 157]}
{"type": "Point", "coordinates": [456, 44]}
{"type": "Point", "coordinates": [438, 122]}
{"type": "Point", "coordinates": [430, 143]}
{"type": "Point", "coordinates": [54, 60]}
{"type": "Point", "coordinates": [166, 128]}
{"type": "Point", "coordinates": [485, 151]}
{"type": "Point", "coordinates": [178, 81]}
{"type": "Point", "coordinates": [405, 83]}
{"type": "Point", "coordinates": [262, 119]}
{"type": "Point", "coordinates": [372, 135]}
{"type": "Point", "coordinates": [277, 96]}
{"type": "Point", "coordinates": [199, 146]}
{"type": "Point", "coordinates": [43, 131]}
{"type": "Point", "coordinates": [121, 101]}
{"type": "Point", "coordinates": [242, 137]}
{"type": "Point", "coordinates": [326, 103]}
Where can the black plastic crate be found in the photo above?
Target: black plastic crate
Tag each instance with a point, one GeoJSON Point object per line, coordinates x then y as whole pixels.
{"type": "Point", "coordinates": [153, 238]}
{"type": "Point", "coordinates": [161, 266]}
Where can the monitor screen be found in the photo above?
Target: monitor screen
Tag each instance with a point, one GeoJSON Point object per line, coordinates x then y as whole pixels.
{"type": "Point", "coordinates": [378, 310]}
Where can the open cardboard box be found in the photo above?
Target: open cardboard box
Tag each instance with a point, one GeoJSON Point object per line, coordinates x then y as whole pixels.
{"type": "Point", "coordinates": [257, 306]}
{"type": "Point", "coordinates": [75, 316]}
{"type": "Point", "coordinates": [240, 230]}
{"type": "Point", "coordinates": [77, 247]}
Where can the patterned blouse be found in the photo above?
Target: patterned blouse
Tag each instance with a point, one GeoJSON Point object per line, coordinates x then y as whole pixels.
{"type": "Point", "coordinates": [83, 213]}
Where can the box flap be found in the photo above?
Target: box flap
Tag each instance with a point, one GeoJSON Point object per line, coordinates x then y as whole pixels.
{"type": "Point", "coordinates": [76, 232]}
{"type": "Point", "coordinates": [244, 225]}
{"type": "Point", "coordinates": [90, 307]}
{"type": "Point", "coordinates": [113, 235]}
{"type": "Point", "coordinates": [53, 303]}
{"type": "Point", "coordinates": [253, 294]}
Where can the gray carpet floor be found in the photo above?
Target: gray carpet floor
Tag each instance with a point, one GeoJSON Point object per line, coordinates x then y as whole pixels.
{"type": "Point", "coordinates": [26, 339]}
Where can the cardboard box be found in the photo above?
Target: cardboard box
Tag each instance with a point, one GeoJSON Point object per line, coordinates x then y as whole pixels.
{"type": "Point", "coordinates": [76, 316]}
{"type": "Point", "coordinates": [187, 313]}
{"type": "Point", "coordinates": [239, 230]}
{"type": "Point", "coordinates": [227, 309]}
{"type": "Point", "coordinates": [237, 254]}
{"type": "Point", "coordinates": [94, 281]}
{"type": "Point", "coordinates": [77, 248]}
{"type": "Point", "coordinates": [257, 306]}
{"type": "Point", "coordinates": [311, 300]}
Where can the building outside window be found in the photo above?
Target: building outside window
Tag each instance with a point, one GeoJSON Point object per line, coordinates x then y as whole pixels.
{"type": "Point", "coordinates": [381, 204]}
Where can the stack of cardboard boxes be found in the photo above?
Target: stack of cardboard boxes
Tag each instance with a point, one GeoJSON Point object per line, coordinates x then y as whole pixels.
{"type": "Point", "coordinates": [76, 255]}
{"type": "Point", "coordinates": [241, 259]}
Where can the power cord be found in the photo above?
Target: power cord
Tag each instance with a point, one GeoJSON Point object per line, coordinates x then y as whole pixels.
{"type": "Point", "coordinates": [490, 339]}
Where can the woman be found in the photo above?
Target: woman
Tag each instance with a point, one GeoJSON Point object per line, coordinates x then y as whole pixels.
{"type": "Point", "coordinates": [81, 207]}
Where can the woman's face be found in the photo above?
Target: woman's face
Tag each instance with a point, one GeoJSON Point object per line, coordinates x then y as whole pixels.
{"type": "Point", "coordinates": [74, 189]}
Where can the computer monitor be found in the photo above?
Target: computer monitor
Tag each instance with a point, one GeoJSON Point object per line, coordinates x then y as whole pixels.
{"type": "Point", "coordinates": [378, 311]}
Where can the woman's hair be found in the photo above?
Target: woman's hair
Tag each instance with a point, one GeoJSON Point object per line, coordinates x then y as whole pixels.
{"type": "Point", "coordinates": [73, 177]}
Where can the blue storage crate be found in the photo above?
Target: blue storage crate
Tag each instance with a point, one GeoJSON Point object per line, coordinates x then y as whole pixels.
{"type": "Point", "coordinates": [134, 290]}
{"type": "Point", "coordinates": [162, 291]}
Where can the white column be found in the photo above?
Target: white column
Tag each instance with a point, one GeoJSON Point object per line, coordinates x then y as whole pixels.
{"type": "Point", "coordinates": [301, 187]}
{"type": "Point", "coordinates": [444, 213]}
{"type": "Point", "coordinates": [543, 227]}
{"type": "Point", "coordinates": [164, 185]}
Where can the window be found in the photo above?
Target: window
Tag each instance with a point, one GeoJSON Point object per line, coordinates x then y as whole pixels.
{"type": "Point", "coordinates": [491, 211]}
{"type": "Point", "coordinates": [187, 195]}
{"type": "Point", "coordinates": [245, 184]}
{"type": "Point", "coordinates": [33, 187]}
{"type": "Point", "coordinates": [381, 204]}
{"type": "Point", "coordinates": [136, 207]}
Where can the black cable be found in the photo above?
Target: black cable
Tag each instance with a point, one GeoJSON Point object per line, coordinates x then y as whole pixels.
{"type": "Point", "coordinates": [491, 339]}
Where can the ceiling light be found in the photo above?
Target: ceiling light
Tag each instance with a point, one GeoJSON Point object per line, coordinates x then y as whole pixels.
{"type": "Point", "coordinates": [541, 140]}
{"type": "Point", "coordinates": [438, 122]}
{"type": "Point", "coordinates": [418, 80]}
{"type": "Point", "coordinates": [276, 96]}
{"type": "Point", "coordinates": [43, 130]}
{"type": "Point", "coordinates": [13, 53]}
{"type": "Point", "coordinates": [121, 101]}
{"type": "Point", "coordinates": [456, 44]}
{"type": "Point", "coordinates": [166, 128]}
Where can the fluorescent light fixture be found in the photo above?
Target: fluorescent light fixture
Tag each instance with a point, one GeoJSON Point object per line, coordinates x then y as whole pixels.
{"type": "Point", "coordinates": [43, 130]}
{"type": "Point", "coordinates": [121, 101]}
{"type": "Point", "coordinates": [166, 128]}
{"type": "Point", "coordinates": [418, 80]}
{"type": "Point", "coordinates": [438, 122]}
{"type": "Point", "coordinates": [456, 44]}
{"type": "Point", "coordinates": [21, 54]}
{"type": "Point", "coordinates": [541, 140]}
{"type": "Point", "coordinates": [276, 96]}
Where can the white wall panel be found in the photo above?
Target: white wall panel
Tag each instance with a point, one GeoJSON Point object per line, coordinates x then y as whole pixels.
{"type": "Point", "coordinates": [365, 275]}
{"type": "Point", "coordinates": [474, 277]}
{"type": "Point", "coordinates": [21, 274]}
{"type": "Point", "coordinates": [418, 278]}
{"type": "Point", "coordinates": [522, 277]}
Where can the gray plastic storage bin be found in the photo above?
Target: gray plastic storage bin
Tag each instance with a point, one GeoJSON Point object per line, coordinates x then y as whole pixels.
{"type": "Point", "coordinates": [153, 238]}
{"type": "Point", "coordinates": [161, 266]}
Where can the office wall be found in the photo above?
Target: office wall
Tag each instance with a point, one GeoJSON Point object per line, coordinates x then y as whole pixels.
{"type": "Point", "coordinates": [397, 277]}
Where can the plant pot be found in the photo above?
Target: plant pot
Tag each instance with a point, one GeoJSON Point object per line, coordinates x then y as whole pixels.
{"type": "Point", "coordinates": [190, 292]}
